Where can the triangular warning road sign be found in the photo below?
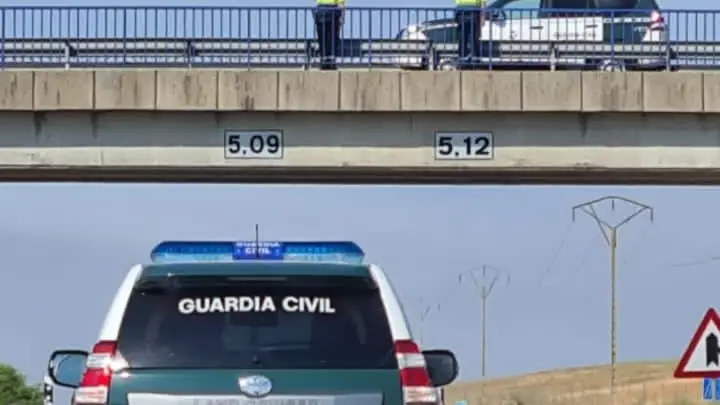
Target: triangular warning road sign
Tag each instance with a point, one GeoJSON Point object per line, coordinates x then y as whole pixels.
{"type": "Point", "coordinates": [702, 356]}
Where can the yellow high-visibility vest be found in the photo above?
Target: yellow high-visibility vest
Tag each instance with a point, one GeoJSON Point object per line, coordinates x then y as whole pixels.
{"type": "Point", "coordinates": [330, 2]}
{"type": "Point", "coordinates": [471, 3]}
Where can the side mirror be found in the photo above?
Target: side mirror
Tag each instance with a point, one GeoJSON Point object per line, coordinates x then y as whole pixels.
{"type": "Point", "coordinates": [442, 366]}
{"type": "Point", "coordinates": [66, 367]}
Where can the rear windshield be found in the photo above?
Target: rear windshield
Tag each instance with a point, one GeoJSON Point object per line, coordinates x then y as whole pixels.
{"type": "Point", "coordinates": [318, 323]}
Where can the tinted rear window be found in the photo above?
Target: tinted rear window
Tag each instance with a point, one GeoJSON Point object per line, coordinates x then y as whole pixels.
{"type": "Point", "coordinates": [442, 34]}
{"type": "Point", "coordinates": [603, 4]}
{"type": "Point", "coordinates": [319, 323]}
{"type": "Point", "coordinates": [626, 4]}
{"type": "Point", "coordinates": [647, 5]}
{"type": "Point", "coordinates": [595, 7]}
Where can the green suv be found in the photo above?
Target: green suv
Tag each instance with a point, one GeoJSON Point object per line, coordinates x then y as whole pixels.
{"type": "Point", "coordinates": [255, 323]}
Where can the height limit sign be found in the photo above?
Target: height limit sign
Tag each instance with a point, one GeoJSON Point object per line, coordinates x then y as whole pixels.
{"type": "Point", "coordinates": [701, 358]}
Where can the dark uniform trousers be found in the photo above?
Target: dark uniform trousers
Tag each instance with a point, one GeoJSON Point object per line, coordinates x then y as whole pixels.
{"type": "Point", "coordinates": [327, 25]}
{"type": "Point", "coordinates": [468, 34]}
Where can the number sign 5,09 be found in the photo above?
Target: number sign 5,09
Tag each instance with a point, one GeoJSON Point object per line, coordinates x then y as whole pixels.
{"type": "Point", "coordinates": [464, 146]}
{"type": "Point", "coordinates": [254, 145]}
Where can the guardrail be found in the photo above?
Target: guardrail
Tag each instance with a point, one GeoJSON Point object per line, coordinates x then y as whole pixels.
{"type": "Point", "coordinates": [422, 38]}
{"type": "Point", "coordinates": [259, 53]}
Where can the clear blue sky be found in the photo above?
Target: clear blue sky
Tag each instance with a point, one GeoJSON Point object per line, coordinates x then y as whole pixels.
{"type": "Point", "coordinates": [666, 4]}
{"type": "Point", "coordinates": [66, 248]}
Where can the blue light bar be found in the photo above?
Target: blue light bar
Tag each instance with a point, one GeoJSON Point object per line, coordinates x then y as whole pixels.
{"type": "Point", "coordinates": [209, 252]}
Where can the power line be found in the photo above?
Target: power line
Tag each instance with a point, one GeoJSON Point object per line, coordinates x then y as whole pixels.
{"type": "Point", "coordinates": [484, 289]}
{"type": "Point", "coordinates": [609, 232]}
{"type": "Point", "coordinates": [425, 311]}
{"type": "Point", "coordinates": [554, 258]}
{"type": "Point", "coordinates": [696, 262]}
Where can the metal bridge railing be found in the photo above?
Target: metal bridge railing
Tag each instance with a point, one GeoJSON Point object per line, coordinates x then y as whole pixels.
{"type": "Point", "coordinates": [420, 38]}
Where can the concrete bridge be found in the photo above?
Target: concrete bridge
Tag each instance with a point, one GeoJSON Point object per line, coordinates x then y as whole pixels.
{"type": "Point", "coordinates": [360, 126]}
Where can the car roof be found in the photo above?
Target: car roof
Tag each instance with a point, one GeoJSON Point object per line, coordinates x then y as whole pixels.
{"type": "Point", "coordinates": [599, 4]}
{"type": "Point", "coordinates": [439, 21]}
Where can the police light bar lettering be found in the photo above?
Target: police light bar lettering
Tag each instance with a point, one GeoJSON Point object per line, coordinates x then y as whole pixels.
{"type": "Point", "coordinates": [226, 251]}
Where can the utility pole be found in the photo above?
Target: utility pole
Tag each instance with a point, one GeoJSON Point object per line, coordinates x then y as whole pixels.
{"type": "Point", "coordinates": [484, 286]}
{"type": "Point", "coordinates": [609, 232]}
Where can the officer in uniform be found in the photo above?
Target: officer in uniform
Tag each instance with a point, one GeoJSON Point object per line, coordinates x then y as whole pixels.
{"type": "Point", "coordinates": [328, 21]}
{"type": "Point", "coordinates": [470, 17]}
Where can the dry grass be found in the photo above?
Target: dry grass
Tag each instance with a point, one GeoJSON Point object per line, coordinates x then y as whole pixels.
{"type": "Point", "coordinates": [638, 384]}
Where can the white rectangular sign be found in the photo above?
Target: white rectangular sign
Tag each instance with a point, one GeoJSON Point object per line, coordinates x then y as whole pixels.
{"type": "Point", "coordinates": [260, 144]}
{"type": "Point", "coordinates": [464, 146]}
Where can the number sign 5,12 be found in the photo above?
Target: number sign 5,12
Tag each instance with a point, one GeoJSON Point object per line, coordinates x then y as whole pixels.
{"type": "Point", "coordinates": [264, 144]}
{"type": "Point", "coordinates": [464, 146]}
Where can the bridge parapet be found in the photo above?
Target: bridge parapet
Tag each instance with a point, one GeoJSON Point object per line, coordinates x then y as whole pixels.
{"type": "Point", "coordinates": [348, 91]}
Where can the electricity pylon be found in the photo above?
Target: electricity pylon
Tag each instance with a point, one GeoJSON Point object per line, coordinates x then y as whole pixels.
{"type": "Point", "coordinates": [484, 286]}
{"type": "Point", "coordinates": [609, 232]}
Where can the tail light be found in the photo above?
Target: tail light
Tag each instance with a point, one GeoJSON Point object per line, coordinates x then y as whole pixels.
{"type": "Point", "coordinates": [657, 22]}
{"type": "Point", "coordinates": [416, 385]}
{"type": "Point", "coordinates": [95, 383]}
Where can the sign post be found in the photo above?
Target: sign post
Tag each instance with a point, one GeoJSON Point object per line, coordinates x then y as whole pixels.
{"type": "Point", "coordinates": [711, 389]}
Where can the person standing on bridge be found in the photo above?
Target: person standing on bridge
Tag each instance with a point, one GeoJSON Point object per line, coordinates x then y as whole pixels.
{"type": "Point", "coordinates": [470, 17]}
{"type": "Point", "coordinates": [329, 16]}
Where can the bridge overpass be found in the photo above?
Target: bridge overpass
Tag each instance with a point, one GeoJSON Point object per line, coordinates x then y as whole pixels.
{"type": "Point", "coordinates": [360, 126]}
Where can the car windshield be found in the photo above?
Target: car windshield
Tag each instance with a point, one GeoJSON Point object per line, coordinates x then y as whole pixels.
{"type": "Point", "coordinates": [326, 323]}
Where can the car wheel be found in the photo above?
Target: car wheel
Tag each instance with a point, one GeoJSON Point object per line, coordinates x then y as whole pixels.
{"type": "Point", "coordinates": [612, 65]}
{"type": "Point", "coordinates": [447, 65]}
